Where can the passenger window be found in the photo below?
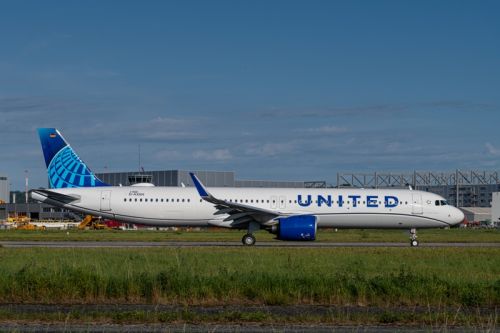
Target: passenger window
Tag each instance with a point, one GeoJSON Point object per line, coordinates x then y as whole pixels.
{"type": "Point", "coordinates": [140, 200]}
{"type": "Point", "coordinates": [189, 200]}
{"type": "Point", "coordinates": [145, 200]}
{"type": "Point", "coordinates": [125, 199]}
{"type": "Point", "coordinates": [182, 200]}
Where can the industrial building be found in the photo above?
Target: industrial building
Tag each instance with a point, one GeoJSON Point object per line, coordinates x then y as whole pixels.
{"type": "Point", "coordinates": [4, 195]}
{"type": "Point", "coordinates": [181, 177]}
{"type": "Point", "coordinates": [459, 188]}
{"type": "Point", "coordinates": [495, 209]}
{"type": "Point", "coordinates": [4, 189]}
{"type": "Point", "coordinates": [36, 211]}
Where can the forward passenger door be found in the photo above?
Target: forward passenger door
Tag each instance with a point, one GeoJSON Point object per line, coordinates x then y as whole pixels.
{"type": "Point", "coordinates": [416, 204]}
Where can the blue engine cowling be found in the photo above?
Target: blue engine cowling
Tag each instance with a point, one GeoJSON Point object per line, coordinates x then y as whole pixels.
{"type": "Point", "coordinates": [297, 228]}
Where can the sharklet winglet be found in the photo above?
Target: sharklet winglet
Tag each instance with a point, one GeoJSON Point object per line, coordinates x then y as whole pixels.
{"type": "Point", "coordinates": [199, 186]}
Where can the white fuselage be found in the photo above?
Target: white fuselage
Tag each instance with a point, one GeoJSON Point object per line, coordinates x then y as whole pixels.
{"type": "Point", "coordinates": [339, 208]}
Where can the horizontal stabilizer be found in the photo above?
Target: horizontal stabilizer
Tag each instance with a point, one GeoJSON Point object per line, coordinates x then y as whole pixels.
{"type": "Point", "coordinates": [44, 195]}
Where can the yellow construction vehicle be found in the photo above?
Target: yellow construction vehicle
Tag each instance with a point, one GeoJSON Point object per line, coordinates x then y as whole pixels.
{"type": "Point", "coordinates": [92, 223]}
{"type": "Point", "coordinates": [23, 223]}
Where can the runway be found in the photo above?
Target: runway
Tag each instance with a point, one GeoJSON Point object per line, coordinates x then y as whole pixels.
{"type": "Point", "coordinates": [133, 244]}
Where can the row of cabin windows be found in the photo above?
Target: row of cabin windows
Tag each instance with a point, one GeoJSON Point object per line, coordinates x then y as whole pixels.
{"type": "Point", "coordinates": [251, 201]}
{"type": "Point", "coordinates": [156, 200]}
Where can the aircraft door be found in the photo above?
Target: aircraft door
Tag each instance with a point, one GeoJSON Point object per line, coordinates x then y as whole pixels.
{"type": "Point", "coordinates": [105, 200]}
{"type": "Point", "coordinates": [416, 204]}
{"type": "Point", "coordinates": [274, 202]}
{"type": "Point", "coordinates": [282, 202]}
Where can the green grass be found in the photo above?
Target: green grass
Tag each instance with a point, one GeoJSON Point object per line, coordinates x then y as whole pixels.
{"type": "Point", "coordinates": [327, 235]}
{"type": "Point", "coordinates": [384, 277]}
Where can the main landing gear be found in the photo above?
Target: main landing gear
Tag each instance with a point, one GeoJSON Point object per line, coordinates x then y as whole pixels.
{"type": "Point", "coordinates": [249, 238]}
{"type": "Point", "coordinates": [413, 237]}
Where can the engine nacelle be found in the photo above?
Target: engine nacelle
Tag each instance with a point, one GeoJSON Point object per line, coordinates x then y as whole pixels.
{"type": "Point", "coordinates": [296, 228]}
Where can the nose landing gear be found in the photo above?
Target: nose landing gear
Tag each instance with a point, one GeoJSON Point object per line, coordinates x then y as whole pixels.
{"type": "Point", "coordinates": [413, 237]}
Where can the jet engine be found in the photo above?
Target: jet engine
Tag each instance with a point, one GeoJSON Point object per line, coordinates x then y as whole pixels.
{"type": "Point", "coordinates": [296, 228]}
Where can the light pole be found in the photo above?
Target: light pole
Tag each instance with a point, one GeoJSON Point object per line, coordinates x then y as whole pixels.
{"type": "Point", "coordinates": [26, 185]}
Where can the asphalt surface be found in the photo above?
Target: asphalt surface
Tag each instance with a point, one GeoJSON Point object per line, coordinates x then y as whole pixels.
{"type": "Point", "coordinates": [227, 328]}
{"type": "Point", "coordinates": [69, 311]}
{"type": "Point", "coordinates": [133, 244]}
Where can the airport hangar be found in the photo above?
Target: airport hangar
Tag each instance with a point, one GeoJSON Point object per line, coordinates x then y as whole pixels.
{"type": "Point", "coordinates": [472, 190]}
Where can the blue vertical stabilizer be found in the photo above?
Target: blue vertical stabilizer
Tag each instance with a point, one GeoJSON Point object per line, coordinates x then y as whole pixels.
{"type": "Point", "coordinates": [64, 167]}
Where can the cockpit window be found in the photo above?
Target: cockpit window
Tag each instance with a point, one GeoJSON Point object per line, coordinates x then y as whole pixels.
{"type": "Point", "coordinates": [441, 203]}
{"type": "Point", "coordinates": [438, 202]}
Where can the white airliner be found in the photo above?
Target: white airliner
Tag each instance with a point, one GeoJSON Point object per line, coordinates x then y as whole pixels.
{"type": "Point", "coordinates": [291, 214]}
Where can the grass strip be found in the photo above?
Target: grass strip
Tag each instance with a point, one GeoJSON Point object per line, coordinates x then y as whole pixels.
{"type": "Point", "coordinates": [461, 277]}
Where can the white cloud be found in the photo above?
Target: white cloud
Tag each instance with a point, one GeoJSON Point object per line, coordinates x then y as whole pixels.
{"type": "Point", "coordinates": [492, 150]}
{"type": "Point", "coordinates": [325, 130]}
{"type": "Point", "coordinates": [271, 149]}
{"type": "Point", "coordinates": [214, 155]}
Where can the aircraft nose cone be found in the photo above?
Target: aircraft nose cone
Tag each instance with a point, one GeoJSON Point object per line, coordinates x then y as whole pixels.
{"type": "Point", "coordinates": [457, 216]}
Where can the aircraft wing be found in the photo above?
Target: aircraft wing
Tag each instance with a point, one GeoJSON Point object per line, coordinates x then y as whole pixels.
{"type": "Point", "coordinates": [240, 214]}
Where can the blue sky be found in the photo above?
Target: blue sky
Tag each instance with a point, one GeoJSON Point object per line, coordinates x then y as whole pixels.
{"type": "Point", "coordinates": [289, 90]}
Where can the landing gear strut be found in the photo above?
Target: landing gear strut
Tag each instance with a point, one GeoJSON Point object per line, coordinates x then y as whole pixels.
{"type": "Point", "coordinates": [413, 237]}
{"type": "Point", "coordinates": [248, 240]}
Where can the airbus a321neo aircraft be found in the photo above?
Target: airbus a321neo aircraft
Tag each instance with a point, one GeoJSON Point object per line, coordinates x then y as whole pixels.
{"type": "Point", "coordinates": [291, 214]}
